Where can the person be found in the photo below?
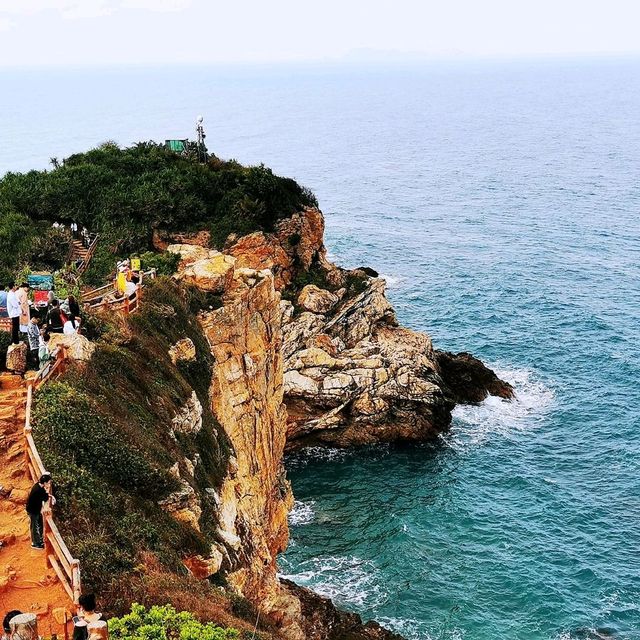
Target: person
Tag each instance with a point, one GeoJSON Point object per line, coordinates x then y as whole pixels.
{"type": "Point", "coordinates": [50, 298]}
{"type": "Point", "coordinates": [85, 237]}
{"type": "Point", "coordinates": [6, 624]}
{"type": "Point", "coordinates": [3, 302]}
{"type": "Point", "coordinates": [23, 298]}
{"type": "Point", "coordinates": [55, 318]}
{"type": "Point", "coordinates": [74, 309]}
{"type": "Point", "coordinates": [39, 494]}
{"type": "Point", "coordinates": [86, 616]}
{"type": "Point", "coordinates": [44, 354]}
{"type": "Point", "coordinates": [33, 334]}
{"type": "Point", "coordinates": [13, 311]}
{"type": "Point", "coordinates": [74, 229]}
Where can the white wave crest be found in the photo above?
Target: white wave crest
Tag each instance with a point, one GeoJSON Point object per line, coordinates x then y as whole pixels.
{"type": "Point", "coordinates": [302, 513]}
{"type": "Point", "coordinates": [392, 281]}
{"type": "Point", "coordinates": [475, 424]}
{"type": "Point", "coordinates": [346, 580]}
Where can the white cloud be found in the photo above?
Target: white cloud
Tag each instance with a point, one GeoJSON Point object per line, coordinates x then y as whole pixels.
{"type": "Point", "coordinates": [156, 5]}
{"type": "Point", "coordinates": [75, 9]}
{"type": "Point", "coordinates": [66, 8]}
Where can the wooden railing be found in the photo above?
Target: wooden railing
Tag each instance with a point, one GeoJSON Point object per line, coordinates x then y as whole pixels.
{"type": "Point", "coordinates": [84, 263]}
{"type": "Point", "coordinates": [105, 297]}
{"type": "Point", "coordinates": [66, 567]}
{"type": "Point", "coordinates": [87, 259]}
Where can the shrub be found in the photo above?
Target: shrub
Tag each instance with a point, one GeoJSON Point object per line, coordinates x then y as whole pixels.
{"type": "Point", "coordinates": [5, 341]}
{"type": "Point", "coordinates": [125, 194]}
{"type": "Point", "coordinates": [165, 623]}
{"type": "Point", "coordinates": [166, 264]}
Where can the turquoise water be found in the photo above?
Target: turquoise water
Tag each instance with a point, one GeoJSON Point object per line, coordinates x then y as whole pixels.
{"type": "Point", "coordinates": [501, 203]}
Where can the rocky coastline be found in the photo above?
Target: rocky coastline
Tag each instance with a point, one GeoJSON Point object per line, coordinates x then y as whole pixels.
{"type": "Point", "coordinates": [306, 353]}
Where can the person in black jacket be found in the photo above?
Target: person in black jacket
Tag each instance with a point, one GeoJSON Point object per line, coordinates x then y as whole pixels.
{"type": "Point", "coordinates": [55, 322]}
{"type": "Point", "coordinates": [38, 495]}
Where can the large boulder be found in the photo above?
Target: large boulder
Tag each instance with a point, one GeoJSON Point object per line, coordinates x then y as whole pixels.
{"type": "Point", "coordinates": [213, 273]}
{"type": "Point", "coordinates": [317, 300]}
{"type": "Point", "coordinates": [77, 346]}
{"type": "Point", "coordinates": [17, 358]}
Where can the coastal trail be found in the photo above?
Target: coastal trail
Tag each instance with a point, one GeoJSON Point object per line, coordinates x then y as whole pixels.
{"type": "Point", "coordinates": [26, 582]}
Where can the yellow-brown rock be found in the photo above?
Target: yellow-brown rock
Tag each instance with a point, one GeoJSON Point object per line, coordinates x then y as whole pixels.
{"type": "Point", "coordinates": [317, 300]}
{"type": "Point", "coordinates": [245, 338]}
{"type": "Point", "coordinates": [184, 350]}
{"type": "Point", "coordinates": [213, 272]}
{"type": "Point", "coordinates": [297, 243]}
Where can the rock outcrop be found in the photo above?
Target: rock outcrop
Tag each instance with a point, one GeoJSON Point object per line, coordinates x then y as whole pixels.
{"type": "Point", "coordinates": [468, 380]}
{"type": "Point", "coordinates": [355, 377]}
{"type": "Point", "coordinates": [17, 358]}
{"type": "Point", "coordinates": [323, 621]}
{"type": "Point", "coordinates": [245, 338]}
{"type": "Point", "coordinates": [327, 365]}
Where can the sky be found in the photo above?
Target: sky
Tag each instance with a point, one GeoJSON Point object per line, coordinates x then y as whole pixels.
{"type": "Point", "coordinates": [144, 32]}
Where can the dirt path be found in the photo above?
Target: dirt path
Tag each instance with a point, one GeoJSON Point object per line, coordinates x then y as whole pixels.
{"type": "Point", "coordinates": [26, 582]}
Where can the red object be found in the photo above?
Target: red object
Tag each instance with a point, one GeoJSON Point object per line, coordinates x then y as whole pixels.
{"type": "Point", "coordinates": [40, 298]}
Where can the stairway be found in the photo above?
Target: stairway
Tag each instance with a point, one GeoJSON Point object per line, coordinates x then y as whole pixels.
{"type": "Point", "coordinates": [26, 582]}
{"type": "Point", "coordinates": [78, 251]}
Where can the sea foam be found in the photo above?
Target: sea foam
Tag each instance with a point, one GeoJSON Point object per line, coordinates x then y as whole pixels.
{"type": "Point", "coordinates": [476, 424]}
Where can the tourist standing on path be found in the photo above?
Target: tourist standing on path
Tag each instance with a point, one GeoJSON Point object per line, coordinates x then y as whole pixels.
{"type": "Point", "coordinates": [39, 494]}
{"type": "Point", "coordinates": [3, 302]}
{"type": "Point", "coordinates": [33, 333]}
{"type": "Point", "coordinates": [55, 320]}
{"type": "Point", "coordinates": [44, 353]}
{"type": "Point", "coordinates": [13, 311]}
{"type": "Point", "coordinates": [23, 298]}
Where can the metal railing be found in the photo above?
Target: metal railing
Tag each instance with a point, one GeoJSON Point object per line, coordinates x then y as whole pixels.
{"type": "Point", "coordinates": [66, 567]}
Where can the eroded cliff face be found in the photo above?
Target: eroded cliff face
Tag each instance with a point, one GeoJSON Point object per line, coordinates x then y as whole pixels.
{"type": "Point", "coordinates": [247, 399]}
{"type": "Point", "coordinates": [329, 365]}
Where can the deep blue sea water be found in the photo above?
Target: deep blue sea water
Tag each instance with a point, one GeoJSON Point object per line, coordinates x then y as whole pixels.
{"type": "Point", "coordinates": [501, 202]}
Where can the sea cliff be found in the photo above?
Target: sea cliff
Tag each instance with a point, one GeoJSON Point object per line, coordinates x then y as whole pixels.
{"type": "Point", "coordinates": [299, 364]}
{"type": "Point", "coordinates": [168, 430]}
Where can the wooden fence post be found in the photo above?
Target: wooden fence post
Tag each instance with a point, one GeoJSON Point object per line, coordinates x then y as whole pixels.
{"type": "Point", "coordinates": [75, 580]}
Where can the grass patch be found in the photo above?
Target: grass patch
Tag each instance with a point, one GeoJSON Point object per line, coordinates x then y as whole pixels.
{"type": "Point", "coordinates": [105, 430]}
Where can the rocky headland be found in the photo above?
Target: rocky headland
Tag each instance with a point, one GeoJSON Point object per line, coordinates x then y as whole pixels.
{"type": "Point", "coordinates": [251, 343]}
{"type": "Point", "coordinates": [307, 353]}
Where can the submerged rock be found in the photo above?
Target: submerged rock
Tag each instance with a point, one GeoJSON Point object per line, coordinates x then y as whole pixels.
{"type": "Point", "coordinates": [468, 380]}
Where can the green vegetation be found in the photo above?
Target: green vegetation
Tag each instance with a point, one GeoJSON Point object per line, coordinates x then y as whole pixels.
{"type": "Point", "coordinates": [165, 623]}
{"type": "Point", "coordinates": [24, 241]}
{"type": "Point", "coordinates": [355, 282]}
{"type": "Point", "coordinates": [105, 430]}
{"type": "Point", "coordinates": [5, 341]}
{"type": "Point", "coordinates": [126, 194]}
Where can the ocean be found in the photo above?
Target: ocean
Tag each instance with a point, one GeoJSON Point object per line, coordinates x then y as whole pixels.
{"type": "Point", "coordinates": [500, 201]}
